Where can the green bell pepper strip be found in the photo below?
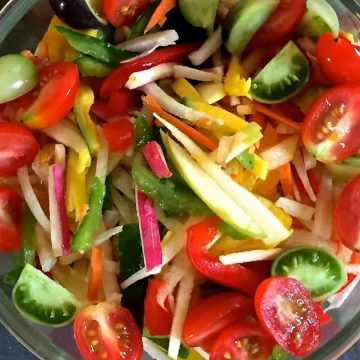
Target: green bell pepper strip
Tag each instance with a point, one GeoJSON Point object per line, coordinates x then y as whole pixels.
{"type": "Point", "coordinates": [278, 353]}
{"type": "Point", "coordinates": [83, 237]}
{"type": "Point", "coordinates": [143, 133]}
{"type": "Point", "coordinates": [246, 160]}
{"type": "Point", "coordinates": [108, 201]}
{"type": "Point", "coordinates": [89, 66]}
{"type": "Point", "coordinates": [96, 48]}
{"type": "Point", "coordinates": [174, 199]}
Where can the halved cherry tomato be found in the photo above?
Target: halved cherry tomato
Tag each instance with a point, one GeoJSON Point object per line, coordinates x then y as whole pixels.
{"type": "Point", "coordinates": [280, 23]}
{"type": "Point", "coordinates": [107, 331]}
{"type": "Point", "coordinates": [157, 319]}
{"type": "Point", "coordinates": [346, 215]}
{"type": "Point", "coordinates": [243, 340]}
{"type": "Point", "coordinates": [211, 315]}
{"type": "Point", "coordinates": [286, 310]}
{"type": "Point", "coordinates": [332, 124]}
{"type": "Point", "coordinates": [234, 276]}
{"type": "Point", "coordinates": [338, 59]}
{"type": "Point", "coordinates": [10, 219]}
{"type": "Point", "coordinates": [18, 148]}
{"type": "Point", "coordinates": [54, 96]}
{"type": "Point", "coordinates": [119, 134]}
{"type": "Point", "coordinates": [123, 12]}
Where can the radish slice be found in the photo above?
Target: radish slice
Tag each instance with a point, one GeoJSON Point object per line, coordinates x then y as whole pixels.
{"type": "Point", "coordinates": [295, 208]}
{"type": "Point", "coordinates": [156, 159]}
{"type": "Point", "coordinates": [149, 231]}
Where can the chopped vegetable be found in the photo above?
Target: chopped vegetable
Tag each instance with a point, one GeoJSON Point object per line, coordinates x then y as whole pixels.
{"type": "Point", "coordinates": [142, 129]}
{"type": "Point", "coordinates": [154, 156]}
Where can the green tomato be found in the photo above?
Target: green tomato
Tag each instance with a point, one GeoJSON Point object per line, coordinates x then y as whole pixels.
{"type": "Point", "coordinates": [18, 75]}
{"type": "Point", "coordinates": [321, 272]}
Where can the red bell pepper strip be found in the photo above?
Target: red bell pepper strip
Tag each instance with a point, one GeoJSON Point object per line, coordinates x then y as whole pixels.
{"type": "Point", "coordinates": [120, 76]}
{"type": "Point", "coordinates": [119, 134]}
{"type": "Point", "coordinates": [234, 276]}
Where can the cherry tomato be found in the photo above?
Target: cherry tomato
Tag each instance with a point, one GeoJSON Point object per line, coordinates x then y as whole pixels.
{"type": "Point", "coordinates": [243, 340]}
{"type": "Point", "coordinates": [210, 315]}
{"type": "Point", "coordinates": [123, 12]}
{"type": "Point", "coordinates": [107, 331]}
{"type": "Point", "coordinates": [338, 59]}
{"type": "Point", "coordinates": [285, 309]}
{"type": "Point", "coordinates": [157, 319]}
{"type": "Point", "coordinates": [234, 276]}
{"type": "Point", "coordinates": [332, 124]}
{"type": "Point", "coordinates": [18, 148]}
{"type": "Point", "coordinates": [54, 96]}
{"type": "Point", "coordinates": [119, 134]}
{"type": "Point", "coordinates": [280, 23]}
{"type": "Point", "coordinates": [122, 100]}
{"type": "Point", "coordinates": [346, 215]}
{"type": "Point", "coordinates": [10, 219]}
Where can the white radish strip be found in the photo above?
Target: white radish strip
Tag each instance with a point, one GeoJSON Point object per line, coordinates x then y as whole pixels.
{"type": "Point", "coordinates": [309, 160]}
{"type": "Point", "coordinates": [281, 153]}
{"type": "Point", "coordinates": [153, 351]}
{"type": "Point", "coordinates": [60, 155]}
{"type": "Point", "coordinates": [353, 269]}
{"type": "Point", "coordinates": [249, 256]}
{"type": "Point", "coordinates": [122, 206]}
{"type": "Point", "coordinates": [44, 250]}
{"type": "Point", "coordinates": [181, 71]}
{"type": "Point", "coordinates": [113, 161]}
{"type": "Point", "coordinates": [155, 158]}
{"type": "Point", "coordinates": [31, 199]}
{"type": "Point", "coordinates": [209, 47]}
{"type": "Point", "coordinates": [295, 208]}
{"type": "Point", "coordinates": [111, 218]}
{"type": "Point", "coordinates": [296, 192]}
{"type": "Point", "coordinates": [150, 42]}
{"type": "Point", "coordinates": [100, 239]}
{"type": "Point", "coordinates": [299, 165]}
{"type": "Point", "coordinates": [308, 224]}
{"type": "Point", "coordinates": [102, 156]}
{"type": "Point", "coordinates": [202, 353]}
{"type": "Point", "coordinates": [140, 78]}
{"type": "Point", "coordinates": [111, 266]}
{"type": "Point", "coordinates": [286, 130]}
{"type": "Point", "coordinates": [168, 222]}
{"type": "Point", "coordinates": [122, 181]}
{"type": "Point", "coordinates": [324, 207]}
{"type": "Point", "coordinates": [69, 259]}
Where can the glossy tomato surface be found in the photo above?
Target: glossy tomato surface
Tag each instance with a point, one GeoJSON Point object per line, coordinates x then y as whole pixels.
{"type": "Point", "coordinates": [119, 134]}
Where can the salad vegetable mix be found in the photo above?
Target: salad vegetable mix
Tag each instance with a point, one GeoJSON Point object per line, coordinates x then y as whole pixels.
{"type": "Point", "coordinates": [183, 177]}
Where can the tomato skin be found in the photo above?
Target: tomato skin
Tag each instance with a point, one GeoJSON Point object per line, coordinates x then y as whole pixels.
{"type": "Point", "coordinates": [280, 23]}
{"type": "Point", "coordinates": [107, 328]}
{"type": "Point", "coordinates": [241, 340]}
{"type": "Point", "coordinates": [338, 59]}
{"type": "Point", "coordinates": [10, 219]}
{"type": "Point", "coordinates": [54, 96]}
{"type": "Point", "coordinates": [18, 148]}
{"type": "Point", "coordinates": [157, 319]}
{"type": "Point", "coordinates": [123, 12]}
{"type": "Point", "coordinates": [210, 315]}
{"type": "Point", "coordinates": [332, 124]}
{"type": "Point", "coordinates": [346, 215]}
{"type": "Point", "coordinates": [285, 309]}
{"type": "Point", "coordinates": [119, 134]}
{"type": "Point", "coordinates": [237, 277]}
{"type": "Point", "coordinates": [122, 100]}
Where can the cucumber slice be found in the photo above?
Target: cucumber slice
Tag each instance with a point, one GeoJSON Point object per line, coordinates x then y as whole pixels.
{"type": "Point", "coordinates": [42, 300]}
{"type": "Point", "coordinates": [345, 170]}
{"type": "Point", "coordinates": [282, 77]}
{"type": "Point", "coordinates": [244, 20]}
{"type": "Point", "coordinates": [319, 17]}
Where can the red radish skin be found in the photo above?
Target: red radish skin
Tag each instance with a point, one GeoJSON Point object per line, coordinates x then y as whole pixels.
{"type": "Point", "coordinates": [156, 160]}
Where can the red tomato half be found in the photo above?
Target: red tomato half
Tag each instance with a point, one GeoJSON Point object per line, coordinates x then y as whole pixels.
{"type": "Point", "coordinates": [286, 310]}
{"type": "Point", "coordinates": [107, 331]}
{"type": "Point", "coordinates": [157, 319]}
{"type": "Point", "coordinates": [123, 12]}
{"type": "Point", "coordinates": [10, 219]}
{"type": "Point", "coordinates": [54, 96]}
{"type": "Point", "coordinates": [210, 315]}
{"type": "Point", "coordinates": [242, 341]}
{"type": "Point", "coordinates": [346, 215]}
{"type": "Point", "coordinates": [18, 148]}
{"type": "Point", "coordinates": [119, 134]}
{"type": "Point", "coordinates": [332, 124]}
{"type": "Point", "coordinates": [236, 276]}
{"type": "Point", "coordinates": [280, 23]}
{"type": "Point", "coordinates": [338, 59]}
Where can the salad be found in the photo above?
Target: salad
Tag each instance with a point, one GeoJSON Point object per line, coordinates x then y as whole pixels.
{"type": "Point", "coordinates": [182, 177]}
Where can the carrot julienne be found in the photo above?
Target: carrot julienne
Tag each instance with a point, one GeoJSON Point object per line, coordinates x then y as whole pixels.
{"type": "Point", "coordinates": [159, 15]}
{"type": "Point", "coordinates": [96, 265]}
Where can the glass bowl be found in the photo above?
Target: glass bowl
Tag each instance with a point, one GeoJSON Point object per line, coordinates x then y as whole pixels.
{"type": "Point", "coordinates": [22, 24]}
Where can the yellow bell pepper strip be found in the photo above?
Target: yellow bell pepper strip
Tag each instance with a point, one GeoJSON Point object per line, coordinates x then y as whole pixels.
{"type": "Point", "coordinates": [83, 103]}
{"type": "Point", "coordinates": [267, 187]}
{"type": "Point", "coordinates": [227, 245]}
{"type": "Point", "coordinates": [246, 178]}
{"type": "Point", "coordinates": [254, 163]}
{"type": "Point", "coordinates": [75, 193]}
{"type": "Point", "coordinates": [235, 83]}
{"type": "Point", "coordinates": [212, 92]}
{"type": "Point", "coordinates": [183, 88]}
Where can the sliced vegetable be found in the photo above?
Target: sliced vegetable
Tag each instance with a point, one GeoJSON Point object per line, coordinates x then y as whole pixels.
{"type": "Point", "coordinates": [183, 88]}
{"type": "Point", "coordinates": [346, 169]}
{"type": "Point", "coordinates": [143, 133]}
{"type": "Point", "coordinates": [42, 300]}
{"type": "Point", "coordinates": [89, 66]}
{"type": "Point", "coordinates": [159, 15]}
{"type": "Point", "coordinates": [154, 156]}
{"type": "Point", "coordinates": [96, 267]}
{"type": "Point", "coordinates": [249, 256]}
{"type": "Point", "coordinates": [119, 134]}
{"type": "Point", "coordinates": [199, 13]}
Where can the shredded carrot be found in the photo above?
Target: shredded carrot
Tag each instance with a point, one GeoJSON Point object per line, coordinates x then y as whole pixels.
{"type": "Point", "coordinates": [286, 179]}
{"type": "Point", "coordinates": [151, 103]}
{"type": "Point", "coordinates": [159, 15]}
{"type": "Point", "coordinates": [355, 258]}
{"type": "Point", "coordinates": [28, 54]}
{"type": "Point", "coordinates": [96, 265]}
{"type": "Point", "coordinates": [277, 117]}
